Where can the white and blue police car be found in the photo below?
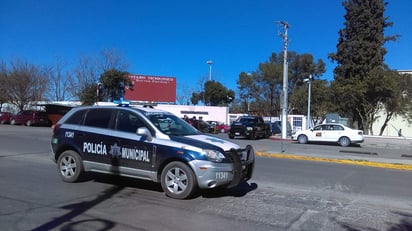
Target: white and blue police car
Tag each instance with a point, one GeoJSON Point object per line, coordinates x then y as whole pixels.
{"type": "Point", "coordinates": [150, 144]}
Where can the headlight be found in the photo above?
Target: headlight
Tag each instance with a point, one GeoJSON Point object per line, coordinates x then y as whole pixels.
{"type": "Point", "coordinates": [213, 155]}
{"type": "Point", "coordinates": [249, 128]}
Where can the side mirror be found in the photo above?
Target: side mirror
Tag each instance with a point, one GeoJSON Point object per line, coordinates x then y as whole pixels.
{"type": "Point", "coordinates": [143, 131]}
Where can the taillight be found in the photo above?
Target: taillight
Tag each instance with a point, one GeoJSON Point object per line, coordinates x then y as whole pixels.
{"type": "Point", "coordinates": [55, 128]}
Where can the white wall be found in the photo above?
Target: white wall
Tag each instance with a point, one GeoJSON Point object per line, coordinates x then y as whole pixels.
{"type": "Point", "coordinates": [207, 112]}
{"type": "Point", "coordinates": [393, 126]}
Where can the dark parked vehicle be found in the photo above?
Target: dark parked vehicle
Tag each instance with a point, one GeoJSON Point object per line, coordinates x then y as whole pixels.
{"type": "Point", "coordinates": [31, 118]}
{"type": "Point", "coordinates": [251, 127]}
{"type": "Point", "coordinates": [5, 117]}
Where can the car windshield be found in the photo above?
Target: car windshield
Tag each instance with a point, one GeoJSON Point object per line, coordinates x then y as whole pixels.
{"type": "Point", "coordinates": [246, 120]}
{"type": "Point", "coordinates": [171, 124]}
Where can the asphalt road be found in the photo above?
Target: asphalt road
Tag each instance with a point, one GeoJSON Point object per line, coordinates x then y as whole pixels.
{"type": "Point", "coordinates": [284, 194]}
{"type": "Point", "coordinates": [395, 152]}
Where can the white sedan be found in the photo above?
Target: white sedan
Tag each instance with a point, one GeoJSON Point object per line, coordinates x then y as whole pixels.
{"type": "Point", "coordinates": [331, 132]}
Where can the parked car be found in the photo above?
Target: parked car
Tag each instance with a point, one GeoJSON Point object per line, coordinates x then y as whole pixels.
{"type": "Point", "coordinates": [219, 126]}
{"type": "Point", "coordinates": [250, 127]}
{"type": "Point", "coordinates": [31, 118]}
{"type": "Point", "coordinates": [330, 132]}
{"type": "Point", "coordinates": [5, 117]}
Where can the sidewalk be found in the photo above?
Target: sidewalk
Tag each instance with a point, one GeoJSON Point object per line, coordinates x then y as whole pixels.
{"type": "Point", "coordinates": [375, 151]}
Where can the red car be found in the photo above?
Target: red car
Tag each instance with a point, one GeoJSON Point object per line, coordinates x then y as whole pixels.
{"type": "Point", "coordinates": [219, 126]}
{"type": "Point", "coordinates": [5, 117]}
{"type": "Point", "coordinates": [31, 117]}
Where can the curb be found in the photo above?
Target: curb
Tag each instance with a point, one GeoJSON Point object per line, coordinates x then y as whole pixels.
{"type": "Point", "coordinates": [405, 167]}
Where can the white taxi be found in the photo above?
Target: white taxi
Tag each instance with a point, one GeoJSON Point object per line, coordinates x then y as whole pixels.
{"type": "Point", "coordinates": [330, 132]}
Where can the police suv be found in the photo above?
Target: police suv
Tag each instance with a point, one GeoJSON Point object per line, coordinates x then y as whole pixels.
{"type": "Point", "coordinates": [147, 143]}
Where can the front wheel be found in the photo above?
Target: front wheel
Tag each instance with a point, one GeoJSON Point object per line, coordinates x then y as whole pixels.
{"type": "Point", "coordinates": [28, 123]}
{"type": "Point", "coordinates": [302, 139]}
{"type": "Point", "coordinates": [178, 180]}
{"type": "Point", "coordinates": [344, 141]}
{"type": "Point", "coordinates": [70, 166]}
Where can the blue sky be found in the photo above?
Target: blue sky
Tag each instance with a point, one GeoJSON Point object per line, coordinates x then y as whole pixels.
{"type": "Point", "coordinates": [176, 37]}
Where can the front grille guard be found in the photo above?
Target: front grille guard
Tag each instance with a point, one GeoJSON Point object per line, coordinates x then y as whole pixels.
{"type": "Point", "coordinates": [243, 164]}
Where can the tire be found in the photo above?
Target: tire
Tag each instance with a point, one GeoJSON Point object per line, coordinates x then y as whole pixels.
{"type": "Point", "coordinates": [253, 136]}
{"type": "Point", "coordinates": [70, 166]}
{"type": "Point", "coordinates": [2, 122]}
{"type": "Point", "coordinates": [222, 130]}
{"type": "Point", "coordinates": [178, 180]}
{"type": "Point", "coordinates": [231, 136]}
{"type": "Point", "coordinates": [302, 139]}
{"type": "Point", "coordinates": [344, 141]}
{"type": "Point", "coordinates": [28, 123]}
{"type": "Point", "coordinates": [12, 122]}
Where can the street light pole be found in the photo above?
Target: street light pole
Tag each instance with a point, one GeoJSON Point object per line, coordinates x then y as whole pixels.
{"type": "Point", "coordinates": [309, 81]}
{"type": "Point", "coordinates": [210, 69]}
{"type": "Point", "coordinates": [285, 80]}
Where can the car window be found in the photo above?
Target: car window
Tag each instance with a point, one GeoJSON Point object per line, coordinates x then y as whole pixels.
{"type": "Point", "coordinates": [128, 122]}
{"type": "Point", "coordinates": [317, 128]}
{"type": "Point", "coordinates": [98, 118]}
{"type": "Point", "coordinates": [337, 128]}
{"type": "Point", "coordinates": [76, 118]}
{"type": "Point", "coordinates": [327, 127]}
{"type": "Point", "coordinates": [171, 124]}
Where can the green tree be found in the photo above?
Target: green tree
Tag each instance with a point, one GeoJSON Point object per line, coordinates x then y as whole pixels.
{"type": "Point", "coordinates": [89, 68]}
{"type": "Point", "coordinates": [218, 95]}
{"type": "Point", "coordinates": [360, 72]}
{"type": "Point", "coordinates": [401, 102]}
{"type": "Point", "coordinates": [113, 83]}
{"type": "Point", "coordinates": [261, 90]}
{"type": "Point", "coordinates": [248, 90]}
{"type": "Point", "coordinates": [320, 100]}
{"type": "Point", "coordinates": [88, 94]}
{"type": "Point", "coordinates": [214, 94]}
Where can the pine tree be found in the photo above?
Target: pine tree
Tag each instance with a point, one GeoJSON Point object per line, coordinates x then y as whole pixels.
{"type": "Point", "coordinates": [361, 79]}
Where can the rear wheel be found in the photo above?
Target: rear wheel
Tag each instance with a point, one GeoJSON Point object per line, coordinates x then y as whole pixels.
{"type": "Point", "coordinates": [344, 141]}
{"type": "Point", "coordinates": [70, 166]}
{"type": "Point", "coordinates": [178, 180]}
{"type": "Point", "coordinates": [28, 123]}
{"type": "Point", "coordinates": [13, 122]}
{"type": "Point", "coordinates": [302, 139]}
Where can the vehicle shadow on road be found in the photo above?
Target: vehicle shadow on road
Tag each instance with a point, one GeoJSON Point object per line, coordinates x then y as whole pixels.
{"type": "Point", "coordinates": [239, 191]}
{"type": "Point", "coordinates": [124, 181]}
{"type": "Point", "coordinates": [355, 145]}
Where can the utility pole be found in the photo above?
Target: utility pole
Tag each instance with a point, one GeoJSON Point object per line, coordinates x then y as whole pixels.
{"type": "Point", "coordinates": [210, 62]}
{"type": "Point", "coordinates": [284, 104]}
